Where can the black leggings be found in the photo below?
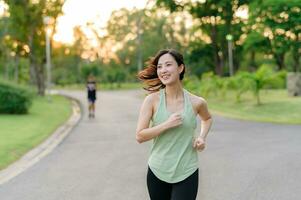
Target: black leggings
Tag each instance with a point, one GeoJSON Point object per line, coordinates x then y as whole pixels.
{"type": "Point", "coordinates": [183, 190]}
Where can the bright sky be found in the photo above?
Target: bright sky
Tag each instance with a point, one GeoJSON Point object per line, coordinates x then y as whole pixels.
{"type": "Point", "coordinates": [2, 7]}
{"type": "Point", "coordinates": [78, 12]}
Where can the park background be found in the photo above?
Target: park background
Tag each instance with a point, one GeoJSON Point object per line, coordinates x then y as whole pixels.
{"type": "Point", "coordinates": [243, 56]}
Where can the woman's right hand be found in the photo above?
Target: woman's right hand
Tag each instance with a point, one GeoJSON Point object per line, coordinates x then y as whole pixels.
{"type": "Point", "coordinates": [174, 120]}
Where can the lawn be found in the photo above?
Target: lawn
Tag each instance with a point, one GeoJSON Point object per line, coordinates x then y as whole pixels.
{"type": "Point", "coordinates": [276, 107]}
{"type": "Point", "coordinates": [20, 133]}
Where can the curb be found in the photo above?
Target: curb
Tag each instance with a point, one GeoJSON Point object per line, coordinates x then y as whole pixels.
{"type": "Point", "coordinates": [46, 147]}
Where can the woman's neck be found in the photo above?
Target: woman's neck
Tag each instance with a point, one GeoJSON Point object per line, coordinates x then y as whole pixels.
{"type": "Point", "coordinates": [174, 91]}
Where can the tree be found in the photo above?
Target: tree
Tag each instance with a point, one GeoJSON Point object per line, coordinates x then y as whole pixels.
{"type": "Point", "coordinates": [5, 45]}
{"type": "Point", "coordinates": [264, 77]}
{"type": "Point", "coordinates": [255, 43]}
{"type": "Point", "coordinates": [217, 19]}
{"type": "Point", "coordinates": [157, 30]}
{"type": "Point", "coordinates": [26, 26]}
{"type": "Point", "coordinates": [279, 21]}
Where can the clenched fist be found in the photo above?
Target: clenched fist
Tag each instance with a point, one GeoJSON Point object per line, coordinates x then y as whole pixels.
{"type": "Point", "coordinates": [174, 120]}
{"type": "Point", "coordinates": [199, 144]}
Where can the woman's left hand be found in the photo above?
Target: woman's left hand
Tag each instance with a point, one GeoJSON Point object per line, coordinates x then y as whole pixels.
{"type": "Point", "coordinates": [199, 144]}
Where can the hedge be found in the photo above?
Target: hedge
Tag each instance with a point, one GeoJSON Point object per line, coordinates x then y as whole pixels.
{"type": "Point", "coordinates": [14, 99]}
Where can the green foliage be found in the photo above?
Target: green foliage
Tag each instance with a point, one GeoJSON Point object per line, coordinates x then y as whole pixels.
{"type": "Point", "coordinates": [90, 68]}
{"type": "Point", "coordinates": [14, 99]}
{"type": "Point", "coordinates": [280, 80]}
{"type": "Point", "coordinates": [265, 77]}
{"type": "Point", "coordinates": [278, 21]}
{"type": "Point", "coordinates": [216, 20]}
{"type": "Point", "coordinates": [191, 83]}
{"type": "Point", "coordinates": [26, 30]}
{"type": "Point", "coordinates": [278, 107]}
{"type": "Point", "coordinates": [62, 76]}
{"type": "Point", "coordinates": [66, 65]}
{"type": "Point", "coordinates": [209, 84]}
{"type": "Point", "coordinates": [256, 42]}
{"type": "Point", "coordinates": [239, 84]}
{"type": "Point", "coordinates": [199, 57]}
{"type": "Point", "coordinates": [214, 85]}
{"type": "Point", "coordinates": [115, 75]}
{"type": "Point", "coordinates": [133, 35]}
{"type": "Point", "coordinates": [156, 32]}
{"type": "Point", "coordinates": [20, 133]}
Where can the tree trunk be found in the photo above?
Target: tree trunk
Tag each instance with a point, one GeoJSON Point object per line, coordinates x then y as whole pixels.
{"type": "Point", "coordinates": [32, 72]}
{"type": "Point", "coordinates": [6, 70]}
{"type": "Point", "coordinates": [40, 79]}
{"type": "Point", "coordinates": [6, 65]}
{"type": "Point", "coordinates": [252, 64]}
{"type": "Point", "coordinates": [38, 71]}
{"type": "Point", "coordinates": [280, 61]}
{"type": "Point", "coordinates": [17, 63]}
{"type": "Point", "coordinates": [36, 68]}
{"type": "Point", "coordinates": [32, 76]}
{"type": "Point", "coordinates": [279, 57]}
{"type": "Point", "coordinates": [236, 60]}
{"type": "Point", "coordinates": [139, 44]}
{"type": "Point", "coordinates": [296, 58]}
{"type": "Point", "coordinates": [217, 59]}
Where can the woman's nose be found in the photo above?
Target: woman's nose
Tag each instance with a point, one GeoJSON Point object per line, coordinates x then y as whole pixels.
{"type": "Point", "coordinates": [163, 69]}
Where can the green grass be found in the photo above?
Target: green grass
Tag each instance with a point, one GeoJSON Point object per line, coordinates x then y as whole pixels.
{"type": "Point", "coordinates": [276, 107]}
{"type": "Point", "coordinates": [20, 133]}
{"type": "Point", "coordinates": [102, 86]}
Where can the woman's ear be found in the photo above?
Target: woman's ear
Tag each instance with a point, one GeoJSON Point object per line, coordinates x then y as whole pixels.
{"type": "Point", "coordinates": [181, 68]}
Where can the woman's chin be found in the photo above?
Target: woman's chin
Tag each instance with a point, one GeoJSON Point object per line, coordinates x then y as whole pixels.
{"type": "Point", "coordinates": [167, 82]}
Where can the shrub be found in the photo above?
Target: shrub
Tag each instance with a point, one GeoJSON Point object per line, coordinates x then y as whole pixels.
{"type": "Point", "coordinates": [240, 84]}
{"type": "Point", "coordinates": [90, 68]}
{"type": "Point", "coordinates": [115, 75]}
{"type": "Point", "coordinates": [264, 77]}
{"type": "Point", "coordinates": [14, 99]}
{"type": "Point", "coordinates": [209, 84]}
{"type": "Point", "coordinates": [192, 83]}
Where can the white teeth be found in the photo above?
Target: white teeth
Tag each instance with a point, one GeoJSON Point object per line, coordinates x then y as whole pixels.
{"type": "Point", "coordinates": [165, 77]}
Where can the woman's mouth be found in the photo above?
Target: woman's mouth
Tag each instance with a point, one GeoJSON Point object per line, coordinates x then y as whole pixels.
{"type": "Point", "coordinates": [165, 77]}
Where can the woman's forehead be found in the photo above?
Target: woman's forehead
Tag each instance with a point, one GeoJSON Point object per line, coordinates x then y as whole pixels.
{"type": "Point", "coordinates": [166, 58]}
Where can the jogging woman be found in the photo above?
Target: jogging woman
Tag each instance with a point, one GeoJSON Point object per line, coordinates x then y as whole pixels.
{"type": "Point", "coordinates": [168, 117]}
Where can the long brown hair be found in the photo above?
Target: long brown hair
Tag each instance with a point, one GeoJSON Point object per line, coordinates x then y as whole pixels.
{"type": "Point", "coordinates": [149, 74]}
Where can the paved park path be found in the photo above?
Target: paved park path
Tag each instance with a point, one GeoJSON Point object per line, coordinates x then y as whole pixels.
{"type": "Point", "coordinates": [100, 159]}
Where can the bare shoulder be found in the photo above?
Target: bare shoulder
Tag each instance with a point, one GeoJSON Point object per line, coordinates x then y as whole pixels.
{"type": "Point", "coordinates": [197, 99]}
{"type": "Point", "coordinates": [197, 102]}
{"type": "Point", "coordinates": [152, 97]}
{"type": "Point", "coordinates": [152, 100]}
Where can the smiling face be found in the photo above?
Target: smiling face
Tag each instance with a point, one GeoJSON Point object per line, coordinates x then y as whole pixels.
{"type": "Point", "coordinates": [168, 69]}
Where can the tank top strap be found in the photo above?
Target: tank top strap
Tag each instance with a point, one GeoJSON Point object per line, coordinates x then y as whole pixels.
{"type": "Point", "coordinates": [162, 98]}
{"type": "Point", "coordinates": [161, 104]}
{"type": "Point", "coordinates": [188, 104]}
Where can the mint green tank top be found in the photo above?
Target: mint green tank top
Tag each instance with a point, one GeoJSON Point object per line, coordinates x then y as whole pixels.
{"type": "Point", "coordinates": [172, 157]}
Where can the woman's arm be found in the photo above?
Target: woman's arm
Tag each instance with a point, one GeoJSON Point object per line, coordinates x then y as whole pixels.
{"type": "Point", "coordinates": [206, 119]}
{"type": "Point", "coordinates": [143, 131]}
{"type": "Point", "coordinates": [206, 123]}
